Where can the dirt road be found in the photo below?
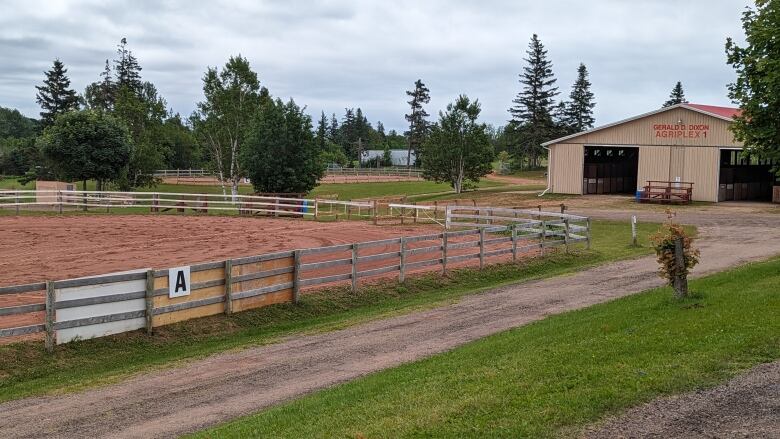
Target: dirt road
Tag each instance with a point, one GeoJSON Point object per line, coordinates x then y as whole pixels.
{"type": "Point", "coordinates": [222, 387]}
{"type": "Point", "coordinates": [747, 406]}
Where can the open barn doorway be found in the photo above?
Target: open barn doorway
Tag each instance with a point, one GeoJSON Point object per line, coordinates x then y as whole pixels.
{"type": "Point", "coordinates": [610, 170]}
{"type": "Point", "coordinates": [743, 179]}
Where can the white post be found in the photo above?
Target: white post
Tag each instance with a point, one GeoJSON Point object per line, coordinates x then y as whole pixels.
{"type": "Point", "coordinates": [633, 231]}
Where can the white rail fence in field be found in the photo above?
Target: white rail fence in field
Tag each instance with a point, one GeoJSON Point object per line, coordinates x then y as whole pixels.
{"type": "Point", "coordinates": [97, 306]}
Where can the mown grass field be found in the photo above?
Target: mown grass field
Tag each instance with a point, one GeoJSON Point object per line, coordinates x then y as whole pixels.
{"type": "Point", "coordinates": [25, 369]}
{"type": "Point", "coordinates": [552, 377]}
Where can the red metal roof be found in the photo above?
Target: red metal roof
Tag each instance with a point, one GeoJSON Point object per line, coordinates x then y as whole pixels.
{"type": "Point", "coordinates": [720, 111]}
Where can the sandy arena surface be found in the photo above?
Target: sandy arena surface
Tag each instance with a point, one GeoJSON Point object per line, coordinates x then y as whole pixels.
{"type": "Point", "coordinates": [225, 386]}
{"type": "Point", "coordinates": [34, 249]}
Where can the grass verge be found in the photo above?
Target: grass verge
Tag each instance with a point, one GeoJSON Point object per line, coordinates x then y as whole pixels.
{"type": "Point", "coordinates": [552, 377]}
{"type": "Point", "coordinates": [25, 369]}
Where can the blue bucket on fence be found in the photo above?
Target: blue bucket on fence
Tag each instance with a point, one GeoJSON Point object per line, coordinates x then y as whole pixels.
{"type": "Point", "coordinates": [639, 195]}
{"type": "Point", "coordinates": [305, 206]}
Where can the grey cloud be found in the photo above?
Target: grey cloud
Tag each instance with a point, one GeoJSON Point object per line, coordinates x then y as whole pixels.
{"type": "Point", "coordinates": [328, 55]}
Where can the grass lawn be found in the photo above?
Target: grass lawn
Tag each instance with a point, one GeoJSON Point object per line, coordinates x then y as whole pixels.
{"type": "Point", "coordinates": [549, 378]}
{"type": "Point", "coordinates": [353, 191]}
{"type": "Point", "coordinates": [25, 369]}
{"type": "Point", "coordinates": [12, 183]}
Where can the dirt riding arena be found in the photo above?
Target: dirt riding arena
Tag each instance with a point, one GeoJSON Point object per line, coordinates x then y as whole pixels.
{"type": "Point", "coordinates": [35, 249]}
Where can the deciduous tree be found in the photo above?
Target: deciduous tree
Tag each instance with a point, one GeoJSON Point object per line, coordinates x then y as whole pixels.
{"type": "Point", "coordinates": [280, 153]}
{"type": "Point", "coordinates": [458, 147]}
{"type": "Point", "coordinates": [757, 88]}
{"type": "Point", "coordinates": [231, 99]}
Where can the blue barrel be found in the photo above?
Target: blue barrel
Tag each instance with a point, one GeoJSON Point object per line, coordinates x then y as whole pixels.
{"type": "Point", "coordinates": [305, 207]}
{"type": "Point", "coordinates": [639, 195]}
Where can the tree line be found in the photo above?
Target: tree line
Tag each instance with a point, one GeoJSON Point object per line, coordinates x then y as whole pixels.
{"type": "Point", "coordinates": [120, 129]}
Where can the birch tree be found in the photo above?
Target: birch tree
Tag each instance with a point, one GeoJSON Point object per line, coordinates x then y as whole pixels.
{"type": "Point", "coordinates": [222, 119]}
{"type": "Point", "coordinates": [458, 148]}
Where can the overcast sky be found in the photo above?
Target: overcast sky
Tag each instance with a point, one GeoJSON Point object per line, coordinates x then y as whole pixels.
{"type": "Point", "coordinates": [329, 55]}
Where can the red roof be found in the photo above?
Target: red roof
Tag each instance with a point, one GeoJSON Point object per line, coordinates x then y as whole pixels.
{"type": "Point", "coordinates": [729, 112]}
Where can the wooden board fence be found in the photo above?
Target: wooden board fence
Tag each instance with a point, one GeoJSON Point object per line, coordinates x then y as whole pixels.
{"type": "Point", "coordinates": [118, 302]}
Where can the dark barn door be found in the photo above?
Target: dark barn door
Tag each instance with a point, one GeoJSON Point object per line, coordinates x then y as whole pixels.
{"type": "Point", "coordinates": [743, 179]}
{"type": "Point", "coordinates": [610, 170]}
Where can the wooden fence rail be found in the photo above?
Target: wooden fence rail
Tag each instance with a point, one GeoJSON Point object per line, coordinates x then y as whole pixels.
{"type": "Point", "coordinates": [102, 305]}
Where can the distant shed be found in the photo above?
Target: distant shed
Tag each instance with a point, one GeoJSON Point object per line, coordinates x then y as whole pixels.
{"type": "Point", "coordinates": [681, 143]}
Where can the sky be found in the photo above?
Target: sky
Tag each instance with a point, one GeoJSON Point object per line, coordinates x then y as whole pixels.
{"type": "Point", "coordinates": [333, 54]}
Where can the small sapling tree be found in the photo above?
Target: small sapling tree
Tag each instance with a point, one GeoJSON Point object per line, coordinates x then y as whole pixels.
{"type": "Point", "coordinates": [676, 255]}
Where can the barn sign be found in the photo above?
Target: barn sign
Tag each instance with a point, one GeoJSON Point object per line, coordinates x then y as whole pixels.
{"type": "Point", "coordinates": [681, 131]}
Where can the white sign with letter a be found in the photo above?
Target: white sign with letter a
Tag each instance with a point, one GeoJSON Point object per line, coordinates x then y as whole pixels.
{"type": "Point", "coordinates": [179, 282]}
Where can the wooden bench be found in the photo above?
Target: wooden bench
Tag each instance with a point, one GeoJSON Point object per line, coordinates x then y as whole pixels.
{"type": "Point", "coordinates": [667, 192]}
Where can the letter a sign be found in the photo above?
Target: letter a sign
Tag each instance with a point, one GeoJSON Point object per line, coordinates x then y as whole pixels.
{"type": "Point", "coordinates": [179, 282]}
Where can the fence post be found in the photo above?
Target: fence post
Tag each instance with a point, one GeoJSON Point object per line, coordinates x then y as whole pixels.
{"type": "Point", "coordinates": [481, 248]}
{"type": "Point", "coordinates": [17, 203]}
{"type": "Point", "coordinates": [296, 276]}
{"type": "Point", "coordinates": [59, 200]}
{"type": "Point", "coordinates": [375, 211]}
{"type": "Point", "coordinates": [316, 209]}
{"type": "Point", "coordinates": [566, 234]}
{"type": "Point", "coordinates": [587, 244]}
{"type": "Point", "coordinates": [543, 236]}
{"type": "Point", "coordinates": [514, 242]}
{"type": "Point", "coordinates": [633, 231]}
{"type": "Point", "coordinates": [354, 267]}
{"type": "Point", "coordinates": [50, 316]}
{"type": "Point", "coordinates": [149, 300]}
{"type": "Point", "coordinates": [402, 271]}
{"type": "Point", "coordinates": [229, 287]}
{"type": "Point", "coordinates": [444, 252]}
{"type": "Point", "coordinates": [416, 212]}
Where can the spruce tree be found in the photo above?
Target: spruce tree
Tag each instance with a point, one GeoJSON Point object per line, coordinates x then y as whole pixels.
{"type": "Point", "coordinates": [578, 111]}
{"type": "Point", "coordinates": [677, 96]}
{"type": "Point", "coordinates": [532, 112]}
{"type": "Point", "coordinates": [55, 95]}
{"type": "Point", "coordinates": [102, 94]}
{"type": "Point", "coordinates": [418, 125]}
{"type": "Point", "coordinates": [127, 69]}
{"type": "Point", "coordinates": [333, 129]}
{"type": "Point", "coordinates": [322, 132]}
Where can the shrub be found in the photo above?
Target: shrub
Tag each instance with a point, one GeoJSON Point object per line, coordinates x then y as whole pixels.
{"type": "Point", "coordinates": [664, 244]}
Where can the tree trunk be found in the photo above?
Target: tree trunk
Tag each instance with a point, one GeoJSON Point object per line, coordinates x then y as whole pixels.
{"type": "Point", "coordinates": [680, 282]}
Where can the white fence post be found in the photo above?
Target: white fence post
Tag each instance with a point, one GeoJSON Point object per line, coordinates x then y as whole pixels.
{"type": "Point", "coordinates": [543, 236]}
{"type": "Point", "coordinates": [481, 248]}
{"type": "Point", "coordinates": [444, 245]}
{"type": "Point", "coordinates": [514, 242]}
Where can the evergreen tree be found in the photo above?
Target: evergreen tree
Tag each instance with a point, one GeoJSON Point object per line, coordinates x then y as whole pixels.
{"type": "Point", "coordinates": [55, 95]}
{"type": "Point", "coordinates": [102, 94]}
{"type": "Point", "coordinates": [677, 96]}
{"type": "Point", "coordinates": [322, 132]}
{"type": "Point", "coordinates": [578, 111]}
{"type": "Point", "coordinates": [532, 112]}
{"type": "Point", "coordinates": [418, 125]}
{"type": "Point", "coordinates": [127, 69]}
{"type": "Point", "coordinates": [757, 87]}
{"type": "Point", "coordinates": [333, 129]}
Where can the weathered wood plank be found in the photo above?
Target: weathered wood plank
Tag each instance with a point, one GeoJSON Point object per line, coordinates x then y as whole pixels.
{"type": "Point", "coordinates": [99, 319]}
{"type": "Point", "coordinates": [421, 250]}
{"type": "Point", "coordinates": [22, 330]}
{"type": "Point", "coordinates": [325, 264]}
{"type": "Point", "coordinates": [97, 280]}
{"type": "Point", "coordinates": [379, 257]}
{"type": "Point", "coordinates": [62, 304]}
{"type": "Point", "coordinates": [262, 274]}
{"type": "Point", "coordinates": [26, 288]}
{"type": "Point", "coordinates": [22, 309]}
{"type": "Point", "coordinates": [426, 263]}
{"type": "Point", "coordinates": [325, 279]}
{"type": "Point", "coordinates": [262, 258]}
{"type": "Point", "coordinates": [462, 257]}
{"type": "Point", "coordinates": [378, 271]}
{"type": "Point", "coordinates": [187, 305]}
{"type": "Point", "coordinates": [329, 249]}
{"type": "Point", "coordinates": [264, 290]}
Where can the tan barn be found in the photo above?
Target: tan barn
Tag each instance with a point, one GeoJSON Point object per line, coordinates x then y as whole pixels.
{"type": "Point", "coordinates": [683, 143]}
